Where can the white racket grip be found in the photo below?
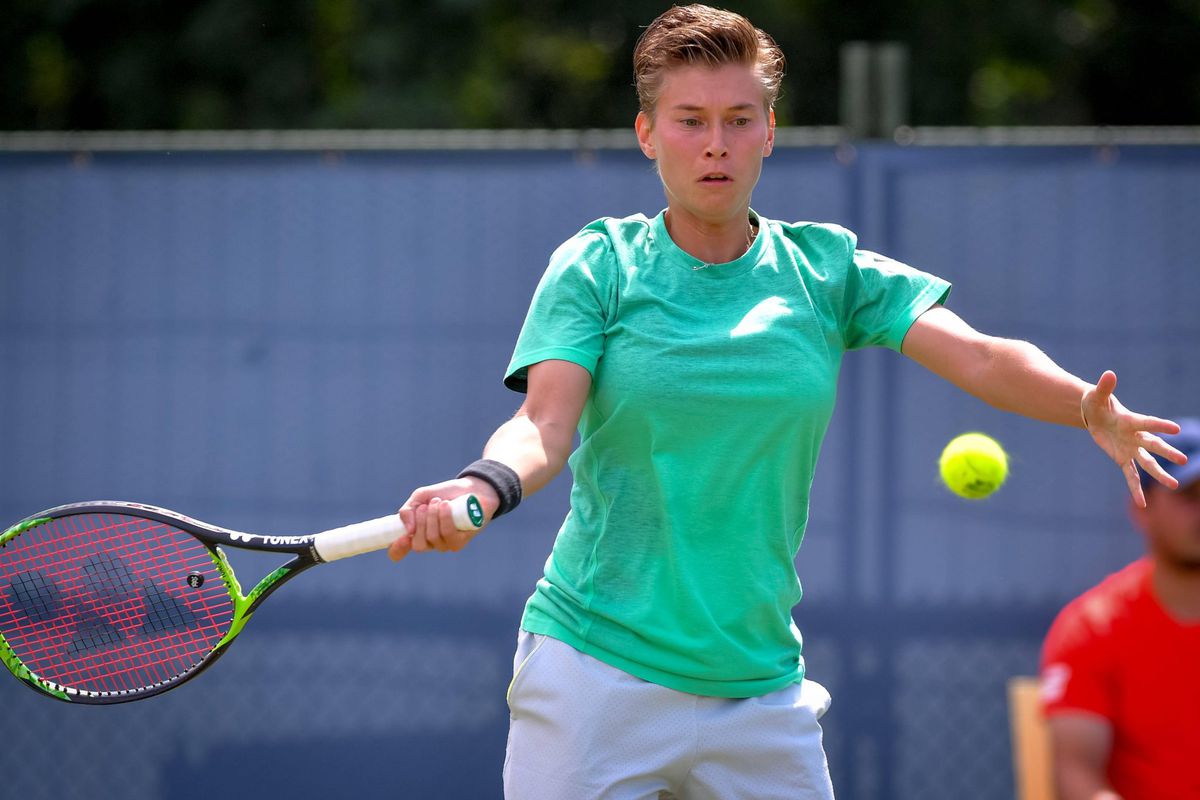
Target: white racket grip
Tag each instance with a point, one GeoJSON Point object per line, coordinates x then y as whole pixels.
{"type": "Point", "coordinates": [377, 534]}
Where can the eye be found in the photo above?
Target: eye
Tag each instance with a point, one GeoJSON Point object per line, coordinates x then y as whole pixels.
{"type": "Point", "coordinates": [741, 122]}
{"type": "Point", "coordinates": [690, 122]}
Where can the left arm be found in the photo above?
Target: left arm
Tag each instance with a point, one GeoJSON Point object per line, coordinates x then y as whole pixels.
{"type": "Point", "coordinates": [1007, 374]}
{"type": "Point", "coordinates": [1016, 376]}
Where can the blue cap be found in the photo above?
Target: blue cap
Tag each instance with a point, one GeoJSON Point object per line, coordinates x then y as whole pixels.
{"type": "Point", "coordinates": [1186, 441]}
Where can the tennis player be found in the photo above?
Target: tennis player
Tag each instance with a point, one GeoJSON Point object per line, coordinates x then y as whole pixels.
{"type": "Point", "coordinates": [696, 352]}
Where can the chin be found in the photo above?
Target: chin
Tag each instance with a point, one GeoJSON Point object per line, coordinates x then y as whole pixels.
{"type": "Point", "coordinates": [1184, 561]}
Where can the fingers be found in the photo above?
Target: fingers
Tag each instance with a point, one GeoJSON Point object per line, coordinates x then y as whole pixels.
{"type": "Point", "coordinates": [1098, 402]}
{"type": "Point", "coordinates": [1154, 469]}
{"type": "Point", "coordinates": [1147, 462]}
{"type": "Point", "coordinates": [1156, 445]}
{"type": "Point", "coordinates": [1134, 482]}
{"type": "Point", "coordinates": [435, 529]}
{"type": "Point", "coordinates": [422, 537]}
{"type": "Point", "coordinates": [428, 518]}
{"type": "Point", "coordinates": [1129, 438]}
{"type": "Point", "coordinates": [1100, 395]}
{"type": "Point", "coordinates": [1106, 385]}
{"type": "Point", "coordinates": [403, 545]}
{"type": "Point", "coordinates": [400, 548]}
{"type": "Point", "coordinates": [451, 539]}
{"type": "Point", "coordinates": [1101, 406]}
{"type": "Point", "coordinates": [1157, 425]}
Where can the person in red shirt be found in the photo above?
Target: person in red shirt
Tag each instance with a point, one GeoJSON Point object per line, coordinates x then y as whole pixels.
{"type": "Point", "coordinates": [1120, 674]}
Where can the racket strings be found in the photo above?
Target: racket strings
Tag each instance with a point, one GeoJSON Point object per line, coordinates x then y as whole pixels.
{"type": "Point", "coordinates": [110, 603]}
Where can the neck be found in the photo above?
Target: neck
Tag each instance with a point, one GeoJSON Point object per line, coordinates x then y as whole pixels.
{"type": "Point", "coordinates": [1177, 587]}
{"type": "Point", "coordinates": [711, 242]}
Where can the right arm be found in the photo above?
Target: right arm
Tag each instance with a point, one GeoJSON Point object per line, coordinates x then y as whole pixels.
{"type": "Point", "coordinates": [1081, 744]}
{"type": "Point", "coordinates": [535, 443]}
{"type": "Point", "coordinates": [1076, 693]}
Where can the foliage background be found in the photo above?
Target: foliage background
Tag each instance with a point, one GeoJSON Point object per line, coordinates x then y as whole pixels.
{"type": "Point", "coordinates": [244, 64]}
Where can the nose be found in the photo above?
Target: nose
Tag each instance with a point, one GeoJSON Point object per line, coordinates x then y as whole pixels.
{"type": "Point", "coordinates": [716, 144]}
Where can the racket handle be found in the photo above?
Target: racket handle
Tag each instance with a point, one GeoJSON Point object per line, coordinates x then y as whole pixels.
{"type": "Point", "coordinates": [377, 534]}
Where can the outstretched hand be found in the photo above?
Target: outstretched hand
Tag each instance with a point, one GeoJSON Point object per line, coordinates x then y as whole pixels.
{"type": "Point", "coordinates": [1129, 439]}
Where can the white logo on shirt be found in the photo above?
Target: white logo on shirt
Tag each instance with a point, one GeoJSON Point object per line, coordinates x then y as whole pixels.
{"type": "Point", "coordinates": [1054, 682]}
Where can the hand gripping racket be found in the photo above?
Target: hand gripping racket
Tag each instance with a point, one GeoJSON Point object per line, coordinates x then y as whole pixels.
{"type": "Point", "coordinates": [107, 602]}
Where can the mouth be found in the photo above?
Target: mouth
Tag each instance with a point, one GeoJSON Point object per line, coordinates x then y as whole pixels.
{"type": "Point", "coordinates": [716, 177]}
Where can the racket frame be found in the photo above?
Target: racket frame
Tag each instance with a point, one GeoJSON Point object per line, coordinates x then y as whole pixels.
{"type": "Point", "coordinates": [301, 548]}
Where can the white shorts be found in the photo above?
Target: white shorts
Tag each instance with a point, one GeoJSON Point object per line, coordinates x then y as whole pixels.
{"type": "Point", "coordinates": [582, 730]}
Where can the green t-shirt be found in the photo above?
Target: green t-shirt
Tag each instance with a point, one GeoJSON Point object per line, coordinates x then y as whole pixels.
{"type": "Point", "coordinates": [712, 388]}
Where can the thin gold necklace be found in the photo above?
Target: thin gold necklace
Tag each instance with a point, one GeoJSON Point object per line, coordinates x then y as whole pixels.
{"type": "Point", "coordinates": [751, 234]}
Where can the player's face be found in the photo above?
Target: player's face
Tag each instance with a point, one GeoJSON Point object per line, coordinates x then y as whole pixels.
{"type": "Point", "coordinates": [1171, 522]}
{"type": "Point", "coordinates": [709, 134]}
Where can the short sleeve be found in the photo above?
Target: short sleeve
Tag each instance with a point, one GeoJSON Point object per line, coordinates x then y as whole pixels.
{"type": "Point", "coordinates": [884, 297]}
{"type": "Point", "coordinates": [570, 308]}
{"type": "Point", "coordinates": [1075, 666]}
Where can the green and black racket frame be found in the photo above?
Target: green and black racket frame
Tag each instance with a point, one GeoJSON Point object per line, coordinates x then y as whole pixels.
{"type": "Point", "coordinates": [106, 602]}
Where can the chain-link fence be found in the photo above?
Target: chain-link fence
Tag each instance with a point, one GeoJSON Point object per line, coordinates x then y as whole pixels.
{"type": "Point", "coordinates": [286, 338]}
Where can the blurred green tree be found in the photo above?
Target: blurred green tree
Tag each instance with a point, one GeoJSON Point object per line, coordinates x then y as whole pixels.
{"type": "Point", "coordinates": [240, 64]}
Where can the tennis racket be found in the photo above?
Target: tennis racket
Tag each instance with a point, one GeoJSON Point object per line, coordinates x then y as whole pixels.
{"type": "Point", "coordinates": [107, 602]}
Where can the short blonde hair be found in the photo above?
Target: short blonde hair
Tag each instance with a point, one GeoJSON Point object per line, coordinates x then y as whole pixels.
{"type": "Point", "coordinates": [705, 36]}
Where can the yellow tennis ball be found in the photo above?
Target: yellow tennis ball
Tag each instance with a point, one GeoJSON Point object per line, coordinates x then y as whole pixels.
{"type": "Point", "coordinates": [973, 465]}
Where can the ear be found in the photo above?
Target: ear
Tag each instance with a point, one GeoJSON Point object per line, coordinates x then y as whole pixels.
{"type": "Point", "coordinates": [643, 126]}
{"type": "Point", "coordinates": [770, 145]}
